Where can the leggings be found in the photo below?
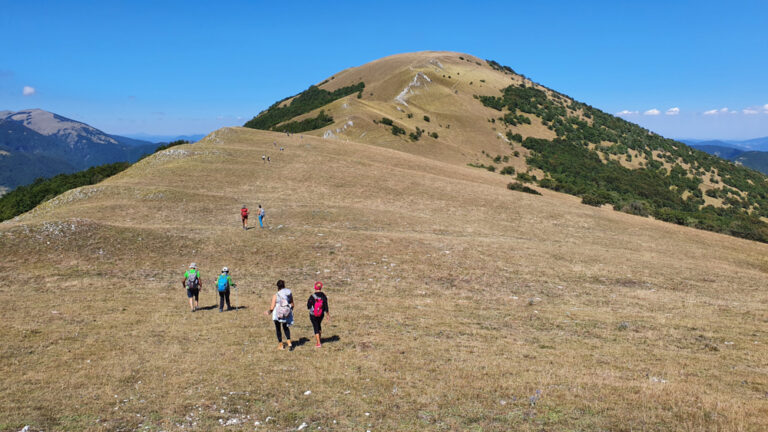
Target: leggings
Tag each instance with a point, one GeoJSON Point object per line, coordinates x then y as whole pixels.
{"type": "Point", "coordinates": [316, 322]}
{"type": "Point", "coordinates": [285, 330]}
{"type": "Point", "coordinates": [224, 295]}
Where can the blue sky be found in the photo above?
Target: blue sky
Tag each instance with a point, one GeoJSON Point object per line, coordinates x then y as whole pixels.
{"type": "Point", "coordinates": [191, 67]}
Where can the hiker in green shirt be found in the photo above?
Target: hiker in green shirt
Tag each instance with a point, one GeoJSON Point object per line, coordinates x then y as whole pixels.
{"type": "Point", "coordinates": [193, 284]}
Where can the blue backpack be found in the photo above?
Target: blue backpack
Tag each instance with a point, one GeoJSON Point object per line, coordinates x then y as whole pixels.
{"type": "Point", "coordinates": [223, 282]}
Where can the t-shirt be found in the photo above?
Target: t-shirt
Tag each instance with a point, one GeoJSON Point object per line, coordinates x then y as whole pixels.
{"type": "Point", "coordinates": [244, 212]}
{"type": "Point", "coordinates": [191, 272]}
{"type": "Point", "coordinates": [261, 212]}
{"type": "Point", "coordinates": [311, 302]}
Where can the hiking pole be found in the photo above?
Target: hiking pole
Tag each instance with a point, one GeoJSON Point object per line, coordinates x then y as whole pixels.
{"type": "Point", "coordinates": [234, 285]}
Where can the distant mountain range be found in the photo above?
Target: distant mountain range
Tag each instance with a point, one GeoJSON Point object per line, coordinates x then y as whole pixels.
{"type": "Point", "coordinates": [752, 153]}
{"type": "Point", "coordinates": [36, 143]}
{"type": "Point", "coordinates": [166, 138]}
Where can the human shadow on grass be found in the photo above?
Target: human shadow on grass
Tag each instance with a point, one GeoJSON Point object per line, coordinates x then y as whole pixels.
{"type": "Point", "coordinates": [234, 308]}
{"type": "Point", "coordinates": [207, 307]}
{"type": "Point", "coordinates": [298, 343]}
{"type": "Point", "coordinates": [334, 338]}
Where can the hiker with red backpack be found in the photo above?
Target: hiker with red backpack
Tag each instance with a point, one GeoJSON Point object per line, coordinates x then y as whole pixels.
{"type": "Point", "coordinates": [244, 216]}
{"type": "Point", "coordinates": [318, 308]}
{"type": "Point", "coordinates": [193, 284]}
{"type": "Point", "coordinates": [281, 309]}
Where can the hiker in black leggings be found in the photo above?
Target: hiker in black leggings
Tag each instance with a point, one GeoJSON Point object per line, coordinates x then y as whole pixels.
{"type": "Point", "coordinates": [281, 309]}
{"type": "Point", "coordinates": [317, 304]}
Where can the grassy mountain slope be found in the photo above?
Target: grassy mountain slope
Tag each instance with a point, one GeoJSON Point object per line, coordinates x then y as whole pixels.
{"type": "Point", "coordinates": [459, 109]}
{"type": "Point", "coordinates": [456, 304]}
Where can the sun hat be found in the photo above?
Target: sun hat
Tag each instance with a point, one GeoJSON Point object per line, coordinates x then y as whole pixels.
{"type": "Point", "coordinates": [193, 265]}
{"type": "Point", "coordinates": [225, 270]}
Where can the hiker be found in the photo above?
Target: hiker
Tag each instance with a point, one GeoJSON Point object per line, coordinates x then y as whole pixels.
{"type": "Point", "coordinates": [193, 284]}
{"type": "Point", "coordinates": [264, 158]}
{"type": "Point", "coordinates": [223, 283]}
{"type": "Point", "coordinates": [261, 216]}
{"type": "Point", "coordinates": [318, 308]}
{"type": "Point", "coordinates": [269, 160]}
{"type": "Point", "coordinates": [244, 216]}
{"type": "Point", "coordinates": [281, 309]}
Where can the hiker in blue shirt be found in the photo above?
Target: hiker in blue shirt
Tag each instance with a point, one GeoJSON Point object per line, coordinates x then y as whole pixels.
{"type": "Point", "coordinates": [223, 283]}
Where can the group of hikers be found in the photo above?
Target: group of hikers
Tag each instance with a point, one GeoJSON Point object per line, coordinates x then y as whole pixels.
{"type": "Point", "coordinates": [281, 307]}
{"type": "Point", "coordinates": [244, 212]}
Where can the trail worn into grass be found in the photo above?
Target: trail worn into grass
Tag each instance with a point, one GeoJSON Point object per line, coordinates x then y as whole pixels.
{"type": "Point", "coordinates": [456, 303]}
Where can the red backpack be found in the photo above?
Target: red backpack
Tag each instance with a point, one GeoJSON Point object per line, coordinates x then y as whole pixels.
{"type": "Point", "coordinates": [317, 310]}
{"type": "Point", "coordinates": [244, 212]}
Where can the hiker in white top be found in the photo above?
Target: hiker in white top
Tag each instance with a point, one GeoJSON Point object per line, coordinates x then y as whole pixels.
{"type": "Point", "coordinates": [281, 309]}
{"type": "Point", "coordinates": [261, 216]}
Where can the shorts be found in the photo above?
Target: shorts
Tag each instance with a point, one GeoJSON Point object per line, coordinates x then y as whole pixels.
{"type": "Point", "coordinates": [193, 292]}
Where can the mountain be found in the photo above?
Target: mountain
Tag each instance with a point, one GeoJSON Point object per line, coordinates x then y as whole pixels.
{"type": "Point", "coordinates": [37, 143]}
{"type": "Point", "coordinates": [462, 110]}
{"type": "Point", "coordinates": [456, 303]}
{"type": "Point", "coordinates": [756, 160]}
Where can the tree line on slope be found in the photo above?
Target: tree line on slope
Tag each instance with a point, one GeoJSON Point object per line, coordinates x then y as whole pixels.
{"type": "Point", "coordinates": [25, 198]}
{"type": "Point", "coordinates": [306, 101]}
{"type": "Point", "coordinates": [573, 165]}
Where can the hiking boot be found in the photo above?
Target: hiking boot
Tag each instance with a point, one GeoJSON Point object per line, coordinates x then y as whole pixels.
{"type": "Point", "coordinates": [221, 310]}
{"type": "Point", "coordinates": [280, 346]}
{"type": "Point", "coordinates": [290, 345]}
{"type": "Point", "coordinates": [318, 345]}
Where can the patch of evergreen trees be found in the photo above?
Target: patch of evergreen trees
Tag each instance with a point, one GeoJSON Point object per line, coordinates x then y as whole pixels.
{"type": "Point", "coordinates": [306, 101]}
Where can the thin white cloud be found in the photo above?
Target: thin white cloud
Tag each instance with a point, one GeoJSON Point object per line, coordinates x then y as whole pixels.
{"type": "Point", "coordinates": [750, 111]}
{"type": "Point", "coordinates": [716, 111]}
{"type": "Point", "coordinates": [673, 111]}
{"type": "Point", "coordinates": [28, 91]}
{"type": "Point", "coordinates": [765, 107]}
{"type": "Point", "coordinates": [626, 112]}
{"type": "Point", "coordinates": [652, 112]}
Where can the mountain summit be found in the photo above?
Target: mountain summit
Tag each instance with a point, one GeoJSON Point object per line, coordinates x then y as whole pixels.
{"type": "Point", "coordinates": [37, 143]}
{"type": "Point", "coordinates": [459, 109]}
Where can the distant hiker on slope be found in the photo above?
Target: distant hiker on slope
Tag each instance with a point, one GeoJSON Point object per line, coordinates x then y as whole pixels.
{"type": "Point", "coordinates": [264, 158]}
{"type": "Point", "coordinates": [318, 308]}
{"type": "Point", "coordinates": [281, 309]}
{"type": "Point", "coordinates": [223, 283]}
{"type": "Point", "coordinates": [244, 216]}
{"type": "Point", "coordinates": [261, 216]}
{"type": "Point", "coordinates": [193, 284]}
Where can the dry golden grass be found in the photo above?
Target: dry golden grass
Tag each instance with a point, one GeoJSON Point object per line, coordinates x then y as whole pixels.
{"type": "Point", "coordinates": [454, 301]}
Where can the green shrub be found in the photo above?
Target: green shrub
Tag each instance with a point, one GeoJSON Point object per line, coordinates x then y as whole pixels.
{"type": "Point", "coordinates": [426, 119]}
{"type": "Point", "coordinates": [637, 208]}
{"type": "Point", "coordinates": [386, 121]}
{"type": "Point", "coordinates": [593, 200]}
{"type": "Point", "coordinates": [517, 186]}
{"type": "Point", "coordinates": [525, 177]}
{"type": "Point", "coordinates": [397, 130]}
{"type": "Point", "coordinates": [433, 135]}
{"type": "Point", "coordinates": [507, 170]}
{"type": "Point", "coordinates": [490, 168]}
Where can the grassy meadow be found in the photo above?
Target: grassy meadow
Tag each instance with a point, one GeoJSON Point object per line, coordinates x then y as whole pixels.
{"type": "Point", "coordinates": [456, 303]}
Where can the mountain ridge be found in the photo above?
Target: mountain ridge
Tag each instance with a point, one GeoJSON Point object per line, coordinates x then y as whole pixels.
{"type": "Point", "coordinates": [39, 143]}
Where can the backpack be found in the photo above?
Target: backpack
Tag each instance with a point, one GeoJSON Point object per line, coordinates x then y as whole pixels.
{"type": "Point", "coordinates": [317, 309]}
{"type": "Point", "coordinates": [192, 281]}
{"type": "Point", "coordinates": [282, 308]}
{"type": "Point", "coordinates": [223, 283]}
{"type": "Point", "coordinates": [244, 212]}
